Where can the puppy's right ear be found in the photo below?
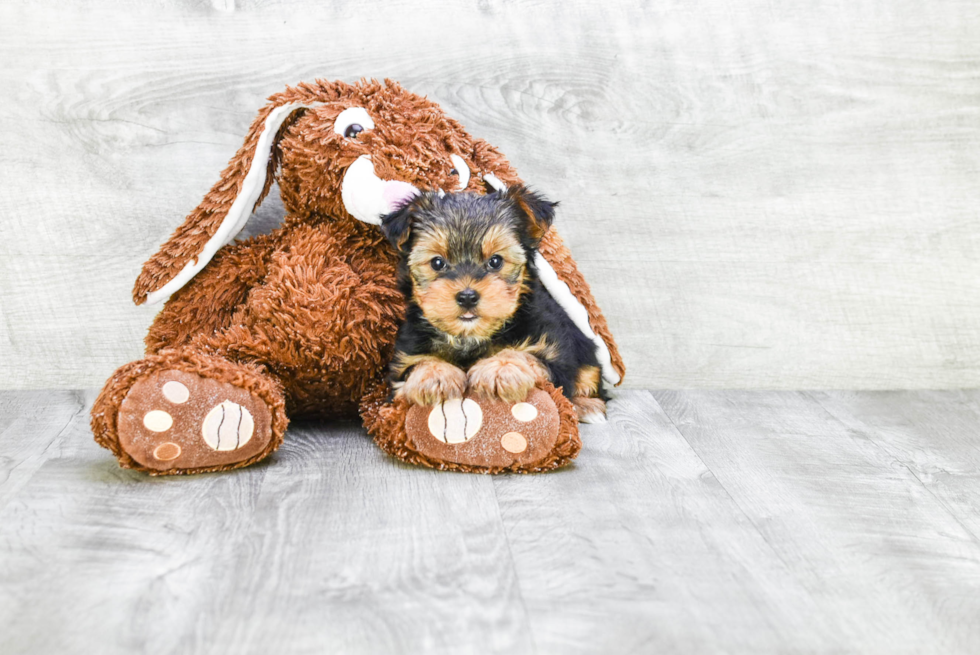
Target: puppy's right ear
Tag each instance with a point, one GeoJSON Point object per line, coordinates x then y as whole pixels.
{"type": "Point", "coordinates": [538, 211]}
{"type": "Point", "coordinates": [397, 227]}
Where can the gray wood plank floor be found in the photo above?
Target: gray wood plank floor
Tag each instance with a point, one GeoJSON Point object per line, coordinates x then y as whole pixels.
{"type": "Point", "coordinates": [737, 522]}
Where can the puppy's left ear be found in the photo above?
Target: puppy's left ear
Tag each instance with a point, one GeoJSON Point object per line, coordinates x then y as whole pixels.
{"type": "Point", "coordinates": [397, 227]}
{"type": "Point", "coordinates": [538, 210]}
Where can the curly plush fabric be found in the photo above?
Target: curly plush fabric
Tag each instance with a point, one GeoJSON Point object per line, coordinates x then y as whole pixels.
{"type": "Point", "coordinates": [305, 317]}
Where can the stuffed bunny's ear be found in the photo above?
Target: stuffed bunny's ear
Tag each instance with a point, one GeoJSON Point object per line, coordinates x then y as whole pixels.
{"type": "Point", "coordinates": [221, 216]}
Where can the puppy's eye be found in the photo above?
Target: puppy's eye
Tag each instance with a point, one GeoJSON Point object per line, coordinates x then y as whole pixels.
{"type": "Point", "coordinates": [437, 263]}
{"type": "Point", "coordinates": [352, 121]}
{"type": "Point", "coordinates": [495, 262]}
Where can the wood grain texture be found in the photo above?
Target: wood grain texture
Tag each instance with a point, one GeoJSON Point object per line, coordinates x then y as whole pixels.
{"type": "Point", "coordinates": [932, 434]}
{"type": "Point", "coordinates": [31, 425]}
{"type": "Point", "coordinates": [875, 548]}
{"type": "Point", "coordinates": [760, 195]}
{"type": "Point", "coordinates": [330, 546]}
{"type": "Point", "coordinates": [709, 522]}
{"type": "Point", "coordinates": [640, 549]}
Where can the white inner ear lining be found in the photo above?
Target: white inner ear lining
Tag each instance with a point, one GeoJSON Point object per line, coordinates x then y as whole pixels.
{"type": "Point", "coordinates": [495, 182]}
{"type": "Point", "coordinates": [462, 170]}
{"type": "Point", "coordinates": [576, 311]}
{"type": "Point", "coordinates": [241, 209]}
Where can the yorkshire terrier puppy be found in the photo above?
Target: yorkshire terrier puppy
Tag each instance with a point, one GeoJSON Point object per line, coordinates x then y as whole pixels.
{"type": "Point", "coordinates": [478, 317]}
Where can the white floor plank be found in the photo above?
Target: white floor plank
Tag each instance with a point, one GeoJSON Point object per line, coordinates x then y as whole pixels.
{"type": "Point", "coordinates": [882, 556]}
{"type": "Point", "coordinates": [735, 522]}
{"type": "Point", "coordinates": [31, 424]}
{"type": "Point", "coordinates": [935, 434]}
{"type": "Point", "coordinates": [640, 549]}
{"type": "Point", "coordinates": [329, 547]}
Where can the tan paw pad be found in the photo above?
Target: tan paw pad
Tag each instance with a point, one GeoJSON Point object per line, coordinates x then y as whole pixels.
{"type": "Point", "coordinates": [167, 451]}
{"type": "Point", "coordinates": [176, 392]}
{"type": "Point", "coordinates": [228, 426]}
{"type": "Point", "coordinates": [486, 434]}
{"type": "Point", "coordinates": [513, 442]}
{"type": "Point", "coordinates": [455, 421]}
{"type": "Point", "coordinates": [524, 412]}
{"type": "Point", "coordinates": [158, 420]}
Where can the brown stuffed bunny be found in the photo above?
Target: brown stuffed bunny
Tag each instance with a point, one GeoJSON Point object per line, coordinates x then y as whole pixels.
{"type": "Point", "coordinates": [301, 321]}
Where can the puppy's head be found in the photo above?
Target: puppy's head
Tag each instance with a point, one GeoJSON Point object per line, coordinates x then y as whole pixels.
{"type": "Point", "coordinates": [467, 255]}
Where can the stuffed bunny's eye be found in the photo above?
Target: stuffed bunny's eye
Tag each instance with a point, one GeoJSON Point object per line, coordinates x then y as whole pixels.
{"type": "Point", "coordinates": [352, 121]}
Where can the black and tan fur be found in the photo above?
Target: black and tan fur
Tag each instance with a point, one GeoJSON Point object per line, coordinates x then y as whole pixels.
{"type": "Point", "coordinates": [511, 333]}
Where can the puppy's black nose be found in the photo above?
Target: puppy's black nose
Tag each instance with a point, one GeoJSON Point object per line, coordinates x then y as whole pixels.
{"type": "Point", "coordinates": [467, 298]}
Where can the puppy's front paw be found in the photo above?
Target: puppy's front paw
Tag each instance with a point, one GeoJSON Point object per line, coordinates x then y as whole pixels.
{"type": "Point", "coordinates": [509, 375]}
{"type": "Point", "coordinates": [432, 382]}
{"type": "Point", "coordinates": [590, 410]}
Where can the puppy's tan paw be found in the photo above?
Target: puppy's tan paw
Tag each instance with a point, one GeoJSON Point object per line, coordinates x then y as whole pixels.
{"type": "Point", "coordinates": [509, 375]}
{"type": "Point", "coordinates": [590, 410]}
{"type": "Point", "coordinates": [432, 382]}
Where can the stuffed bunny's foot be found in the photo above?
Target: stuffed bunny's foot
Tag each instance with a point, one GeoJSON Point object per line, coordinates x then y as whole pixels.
{"type": "Point", "coordinates": [478, 434]}
{"type": "Point", "coordinates": [174, 419]}
{"type": "Point", "coordinates": [186, 412]}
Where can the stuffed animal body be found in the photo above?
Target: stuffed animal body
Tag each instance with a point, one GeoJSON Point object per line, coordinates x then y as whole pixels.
{"type": "Point", "coordinates": [302, 321]}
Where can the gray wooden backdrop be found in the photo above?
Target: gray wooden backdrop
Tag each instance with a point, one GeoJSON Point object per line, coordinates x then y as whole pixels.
{"type": "Point", "coordinates": [761, 194]}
